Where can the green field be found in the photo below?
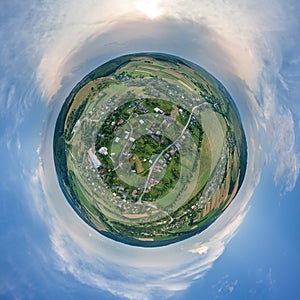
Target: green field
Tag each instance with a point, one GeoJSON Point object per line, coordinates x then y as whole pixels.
{"type": "Point", "coordinates": [149, 149]}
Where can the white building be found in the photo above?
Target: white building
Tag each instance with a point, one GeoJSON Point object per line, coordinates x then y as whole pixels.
{"type": "Point", "coordinates": [103, 150]}
{"type": "Point", "coordinates": [158, 110]}
{"type": "Point", "coordinates": [94, 158]}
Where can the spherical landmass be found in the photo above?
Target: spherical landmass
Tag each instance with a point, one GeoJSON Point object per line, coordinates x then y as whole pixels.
{"type": "Point", "coordinates": [149, 149]}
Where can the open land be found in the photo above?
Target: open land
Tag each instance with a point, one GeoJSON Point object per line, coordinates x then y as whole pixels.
{"type": "Point", "coordinates": [153, 150]}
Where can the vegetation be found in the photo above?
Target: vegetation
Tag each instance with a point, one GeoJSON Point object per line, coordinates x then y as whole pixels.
{"type": "Point", "coordinates": [159, 151]}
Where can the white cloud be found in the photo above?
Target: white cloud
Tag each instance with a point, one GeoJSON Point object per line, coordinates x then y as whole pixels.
{"type": "Point", "coordinates": [279, 125]}
{"type": "Point", "coordinates": [225, 286]}
{"type": "Point", "coordinates": [283, 143]}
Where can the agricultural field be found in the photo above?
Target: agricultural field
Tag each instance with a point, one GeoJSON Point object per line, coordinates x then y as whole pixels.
{"type": "Point", "coordinates": [149, 149]}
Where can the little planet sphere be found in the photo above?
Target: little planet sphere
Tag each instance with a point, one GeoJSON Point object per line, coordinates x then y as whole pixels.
{"type": "Point", "coordinates": [149, 149]}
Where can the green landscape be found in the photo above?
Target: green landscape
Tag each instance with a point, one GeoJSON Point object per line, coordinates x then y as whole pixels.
{"type": "Point", "coordinates": [149, 149]}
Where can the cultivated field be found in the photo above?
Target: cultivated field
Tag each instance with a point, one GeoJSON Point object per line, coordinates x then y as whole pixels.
{"type": "Point", "coordinates": [150, 149]}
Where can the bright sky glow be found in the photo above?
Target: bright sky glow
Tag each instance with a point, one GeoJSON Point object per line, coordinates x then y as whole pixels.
{"type": "Point", "coordinates": [150, 8]}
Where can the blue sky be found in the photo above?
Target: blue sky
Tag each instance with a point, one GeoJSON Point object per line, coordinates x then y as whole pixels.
{"type": "Point", "coordinates": [251, 252]}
